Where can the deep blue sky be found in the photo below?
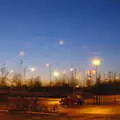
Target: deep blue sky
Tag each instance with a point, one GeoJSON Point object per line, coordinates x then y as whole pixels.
{"type": "Point", "coordinates": [88, 27]}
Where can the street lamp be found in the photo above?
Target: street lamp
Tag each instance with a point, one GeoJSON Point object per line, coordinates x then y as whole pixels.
{"type": "Point", "coordinates": [11, 71]}
{"type": "Point", "coordinates": [96, 62]}
{"type": "Point", "coordinates": [117, 78]}
{"type": "Point", "coordinates": [94, 72]}
{"type": "Point", "coordinates": [71, 69]}
{"type": "Point", "coordinates": [27, 69]}
{"type": "Point", "coordinates": [56, 74]}
{"type": "Point", "coordinates": [32, 69]}
{"type": "Point", "coordinates": [50, 71]}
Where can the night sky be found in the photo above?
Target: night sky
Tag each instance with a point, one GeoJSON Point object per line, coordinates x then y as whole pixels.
{"type": "Point", "coordinates": [88, 28]}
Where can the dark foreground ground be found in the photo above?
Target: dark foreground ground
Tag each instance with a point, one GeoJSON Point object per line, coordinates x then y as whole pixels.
{"type": "Point", "coordinates": [85, 112]}
{"type": "Point", "coordinates": [7, 116]}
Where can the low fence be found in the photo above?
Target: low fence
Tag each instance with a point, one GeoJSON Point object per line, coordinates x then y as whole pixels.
{"type": "Point", "coordinates": [104, 99]}
{"type": "Point", "coordinates": [32, 94]}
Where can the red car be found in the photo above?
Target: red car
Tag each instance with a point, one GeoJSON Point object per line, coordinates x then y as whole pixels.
{"type": "Point", "coordinates": [72, 101]}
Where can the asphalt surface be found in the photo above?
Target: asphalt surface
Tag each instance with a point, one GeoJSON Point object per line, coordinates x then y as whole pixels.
{"type": "Point", "coordinates": [85, 112]}
{"type": "Point", "coordinates": [8, 116]}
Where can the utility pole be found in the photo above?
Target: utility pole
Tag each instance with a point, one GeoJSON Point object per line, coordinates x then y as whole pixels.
{"type": "Point", "coordinates": [3, 73]}
{"type": "Point", "coordinates": [72, 75]}
{"type": "Point", "coordinates": [25, 70]}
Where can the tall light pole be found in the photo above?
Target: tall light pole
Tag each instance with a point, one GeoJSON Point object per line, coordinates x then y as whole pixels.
{"type": "Point", "coordinates": [32, 70]}
{"type": "Point", "coordinates": [96, 62]}
{"type": "Point", "coordinates": [3, 71]}
{"type": "Point", "coordinates": [25, 70]}
{"type": "Point", "coordinates": [49, 66]}
{"type": "Point", "coordinates": [56, 75]}
{"type": "Point", "coordinates": [72, 75]}
{"type": "Point", "coordinates": [21, 61]}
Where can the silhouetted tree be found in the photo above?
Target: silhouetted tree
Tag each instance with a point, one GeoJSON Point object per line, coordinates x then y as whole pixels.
{"type": "Point", "coordinates": [36, 84]}
{"type": "Point", "coordinates": [3, 78]}
{"type": "Point", "coordinates": [17, 80]}
{"type": "Point", "coordinates": [30, 82]}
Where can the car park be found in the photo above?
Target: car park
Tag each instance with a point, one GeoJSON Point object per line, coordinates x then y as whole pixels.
{"type": "Point", "coordinates": [72, 100]}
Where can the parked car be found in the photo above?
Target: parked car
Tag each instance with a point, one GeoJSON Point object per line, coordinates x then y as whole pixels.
{"type": "Point", "coordinates": [72, 100]}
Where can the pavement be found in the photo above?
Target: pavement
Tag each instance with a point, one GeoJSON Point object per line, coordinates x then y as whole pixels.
{"type": "Point", "coordinates": [90, 112]}
{"type": "Point", "coordinates": [7, 116]}
{"type": "Point", "coordinates": [85, 112]}
{"type": "Point", "coordinates": [93, 110]}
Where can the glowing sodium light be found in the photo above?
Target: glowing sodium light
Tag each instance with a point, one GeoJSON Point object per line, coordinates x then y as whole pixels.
{"type": "Point", "coordinates": [71, 69]}
{"type": "Point", "coordinates": [47, 65]}
{"type": "Point", "coordinates": [93, 71]}
{"type": "Point", "coordinates": [56, 74]}
{"type": "Point", "coordinates": [89, 78]}
{"type": "Point", "coordinates": [32, 69]}
{"type": "Point", "coordinates": [89, 72]}
{"type": "Point", "coordinates": [11, 71]}
{"type": "Point", "coordinates": [96, 62]}
{"type": "Point", "coordinates": [78, 76]}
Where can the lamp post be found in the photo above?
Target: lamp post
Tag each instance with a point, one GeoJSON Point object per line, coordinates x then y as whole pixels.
{"type": "Point", "coordinates": [21, 62]}
{"type": "Point", "coordinates": [56, 75]}
{"type": "Point", "coordinates": [96, 62]}
{"type": "Point", "coordinates": [3, 71]}
{"type": "Point", "coordinates": [49, 66]}
{"type": "Point", "coordinates": [32, 69]}
{"type": "Point", "coordinates": [71, 70]}
{"type": "Point", "coordinates": [25, 70]}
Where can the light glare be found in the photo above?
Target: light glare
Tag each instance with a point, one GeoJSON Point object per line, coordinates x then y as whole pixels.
{"type": "Point", "coordinates": [71, 69]}
{"type": "Point", "coordinates": [47, 65]}
{"type": "Point", "coordinates": [56, 74]}
{"type": "Point", "coordinates": [96, 62]}
{"type": "Point", "coordinates": [32, 69]}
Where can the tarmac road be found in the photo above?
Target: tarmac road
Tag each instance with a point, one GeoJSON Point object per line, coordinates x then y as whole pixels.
{"type": "Point", "coordinates": [85, 112]}
{"type": "Point", "coordinates": [7, 116]}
